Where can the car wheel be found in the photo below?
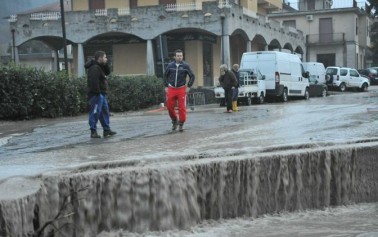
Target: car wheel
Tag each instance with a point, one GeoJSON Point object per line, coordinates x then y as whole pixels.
{"type": "Point", "coordinates": [261, 98]}
{"type": "Point", "coordinates": [249, 100]}
{"type": "Point", "coordinates": [342, 87]}
{"type": "Point", "coordinates": [324, 92]}
{"type": "Point", "coordinates": [284, 96]}
{"type": "Point", "coordinates": [307, 94]}
{"type": "Point", "coordinates": [364, 87]}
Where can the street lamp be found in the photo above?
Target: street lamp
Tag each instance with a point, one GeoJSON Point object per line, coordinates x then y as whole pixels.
{"type": "Point", "coordinates": [13, 46]}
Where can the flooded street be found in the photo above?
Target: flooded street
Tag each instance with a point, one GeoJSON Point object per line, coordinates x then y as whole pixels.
{"type": "Point", "coordinates": [225, 175]}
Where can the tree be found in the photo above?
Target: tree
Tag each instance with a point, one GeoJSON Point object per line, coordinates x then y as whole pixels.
{"type": "Point", "coordinates": [372, 10]}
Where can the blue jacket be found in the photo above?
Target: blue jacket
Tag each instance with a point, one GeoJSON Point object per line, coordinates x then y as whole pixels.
{"type": "Point", "coordinates": [175, 75]}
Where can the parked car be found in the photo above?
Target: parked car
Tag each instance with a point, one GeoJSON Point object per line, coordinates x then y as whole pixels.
{"type": "Point", "coordinates": [371, 73]}
{"type": "Point", "coordinates": [343, 78]}
{"type": "Point", "coordinates": [252, 88]}
{"type": "Point", "coordinates": [317, 89]}
{"type": "Point", "coordinates": [284, 73]}
{"type": "Point", "coordinates": [316, 70]}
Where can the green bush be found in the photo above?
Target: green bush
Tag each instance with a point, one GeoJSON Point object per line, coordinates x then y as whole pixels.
{"type": "Point", "coordinates": [27, 93]}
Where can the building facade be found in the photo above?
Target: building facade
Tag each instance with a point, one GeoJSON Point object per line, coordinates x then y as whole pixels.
{"type": "Point", "coordinates": [335, 37]}
{"type": "Point", "coordinates": [140, 36]}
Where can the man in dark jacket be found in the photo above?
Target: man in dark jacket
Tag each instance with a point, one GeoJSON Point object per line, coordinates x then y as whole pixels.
{"type": "Point", "coordinates": [176, 88]}
{"type": "Point", "coordinates": [97, 71]}
{"type": "Point", "coordinates": [228, 81]}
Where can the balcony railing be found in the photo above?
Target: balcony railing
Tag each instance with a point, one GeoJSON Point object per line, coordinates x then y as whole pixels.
{"type": "Point", "coordinates": [224, 3]}
{"type": "Point", "coordinates": [12, 18]}
{"type": "Point", "coordinates": [45, 16]}
{"type": "Point", "coordinates": [101, 12]}
{"type": "Point", "coordinates": [180, 7]}
{"type": "Point", "coordinates": [332, 38]}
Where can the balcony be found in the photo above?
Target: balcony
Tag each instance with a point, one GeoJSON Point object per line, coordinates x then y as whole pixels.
{"type": "Point", "coordinates": [326, 39]}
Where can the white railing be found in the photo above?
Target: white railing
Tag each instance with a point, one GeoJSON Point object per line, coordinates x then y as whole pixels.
{"type": "Point", "coordinates": [12, 18]}
{"type": "Point", "coordinates": [224, 3]}
{"type": "Point", "coordinates": [123, 11]}
{"type": "Point", "coordinates": [101, 12]}
{"type": "Point", "coordinates": [45, 16]}
{"type": "Point", "coordinates": [180, 7]}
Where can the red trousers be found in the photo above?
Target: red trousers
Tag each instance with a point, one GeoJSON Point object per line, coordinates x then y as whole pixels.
{"type": "Point", "coordinates": [179, 95]}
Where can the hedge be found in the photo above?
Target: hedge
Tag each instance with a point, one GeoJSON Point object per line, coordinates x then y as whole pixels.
{"type": "Point", "coordinates": [27, 92]}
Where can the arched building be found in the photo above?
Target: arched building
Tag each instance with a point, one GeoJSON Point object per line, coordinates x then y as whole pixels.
{"type": "Point", "coordinates": [139, 36]}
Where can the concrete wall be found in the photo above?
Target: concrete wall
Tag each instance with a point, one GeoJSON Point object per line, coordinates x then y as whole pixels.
{"type": "Point", "coordinates": [80, 5]}
{"type": "Point", "coordinates": [116, 4]}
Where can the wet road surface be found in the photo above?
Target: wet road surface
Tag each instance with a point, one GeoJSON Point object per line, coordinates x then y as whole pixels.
{"type": "Point", "coordinates": [49, 145]}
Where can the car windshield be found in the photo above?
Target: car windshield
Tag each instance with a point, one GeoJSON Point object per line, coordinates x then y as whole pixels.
{"type": "Point", "coordinates": [373, 71]}
{"type": "Point", "coordinates": [331, 71]}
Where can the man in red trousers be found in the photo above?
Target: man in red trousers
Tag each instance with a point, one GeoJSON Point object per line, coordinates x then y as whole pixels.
{"type": "Point", "coordinates": [176, 88]}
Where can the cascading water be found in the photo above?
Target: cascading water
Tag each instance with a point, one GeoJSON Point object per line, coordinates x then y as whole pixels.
{"type": "Point", "coordinates": [178, 194]}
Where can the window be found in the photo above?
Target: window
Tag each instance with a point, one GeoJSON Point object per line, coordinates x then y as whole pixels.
{"type": "Point", "coordinates": [311, 5]}
{"type": "Point", "coordinates": [96, 4]}
{"type": "Point", "coordinates": [343, 72]}
{"type": "Point", "coordinates": [325, 30]}
{"type": "Point", "coordinates": [356, 26]}
{"type": "Point", "coordinates": [353, 73]}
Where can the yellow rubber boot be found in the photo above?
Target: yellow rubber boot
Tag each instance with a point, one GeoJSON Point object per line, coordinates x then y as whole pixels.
{"type": "Point", "coordinates": [235, 106]}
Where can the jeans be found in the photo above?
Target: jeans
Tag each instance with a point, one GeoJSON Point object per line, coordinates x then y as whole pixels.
{"type": "Point", "coordinates": [99, 110]}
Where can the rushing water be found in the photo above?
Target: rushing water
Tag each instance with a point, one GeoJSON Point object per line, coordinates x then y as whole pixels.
{"type": "Point", "coordinates": [180, 193]}
{"type": "Point", "coordinates": [359, 220]}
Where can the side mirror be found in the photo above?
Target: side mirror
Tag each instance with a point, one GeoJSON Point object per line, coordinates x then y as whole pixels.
{"type": "Point", "coordinates": [263, 77]}
{"type": "Point", "coordinates": [306, 74]}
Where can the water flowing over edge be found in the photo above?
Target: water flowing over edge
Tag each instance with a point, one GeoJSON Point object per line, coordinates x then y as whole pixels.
{"type": "Point", "coordinates": [179, 194]}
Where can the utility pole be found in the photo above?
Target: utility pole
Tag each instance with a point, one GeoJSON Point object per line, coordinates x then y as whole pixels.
{"type": "Point", "coordinates": [64, 35]}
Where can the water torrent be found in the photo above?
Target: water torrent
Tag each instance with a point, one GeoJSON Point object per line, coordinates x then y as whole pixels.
{"type": "Point", "coordinates": [179, 193]}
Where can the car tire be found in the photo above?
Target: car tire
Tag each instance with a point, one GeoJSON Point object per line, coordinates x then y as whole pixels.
{"type": "Point", "coordinates": [364, 87]}
{"type": "Point", "coordinates": [284, 96]}
{"type": "Point", "coordinates": [249, 100]}
{"type": "Point", "coordinates": [324, 92]}
{"type": "Point", "coordinates": [261, 98]}
{"type": "Point", "coordinates": [306, 94]}
{"type": "Point", "coordinates": [342, 87]}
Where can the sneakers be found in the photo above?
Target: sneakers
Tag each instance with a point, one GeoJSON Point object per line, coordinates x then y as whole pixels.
{"type": "Point", "coordinates": [181, 126]}
{"type": "Point", "coordinates": [228, 111]}
{"type": "Point", "coordinates": [108, 133]}
{"type": "Point", "coordinates": [174, 125]}
{"type": "Point", "coordinates": [94, 134]}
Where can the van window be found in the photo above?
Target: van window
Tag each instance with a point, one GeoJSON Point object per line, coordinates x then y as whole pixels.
{"type": "Point", "coordinates": [343, 72]}
{"type": "Point", "coordinates": [331, 71]}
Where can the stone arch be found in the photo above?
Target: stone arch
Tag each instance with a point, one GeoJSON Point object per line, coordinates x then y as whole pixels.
{"type": "Point", "coordinates": [288, 48]}
{"type": "Point", "coordinates": [238, 45]}
{"type": "Point", "coordinates": [258, 43]}
{"type": "Point", "coordinates": [274, 45]}
{"type": "Point", "coordinates": [300, 52]}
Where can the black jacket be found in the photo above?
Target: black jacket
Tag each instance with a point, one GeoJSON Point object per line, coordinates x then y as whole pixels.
{"type": "Point", "coordinates": [175, 75]}
{"type": "Point", "coordinates": [97, 82]}
{"type": "Point", "coordinates": [228, 80]}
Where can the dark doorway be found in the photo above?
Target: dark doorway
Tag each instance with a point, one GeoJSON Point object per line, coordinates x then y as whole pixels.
{"type": "Point", "coordinates": [96, 4]}
{"type": "Point", "coordinates": [326, 59]}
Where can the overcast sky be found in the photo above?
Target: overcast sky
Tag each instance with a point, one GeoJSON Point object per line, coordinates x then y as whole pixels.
{"type": "Point", "coordinates": [336, 3]}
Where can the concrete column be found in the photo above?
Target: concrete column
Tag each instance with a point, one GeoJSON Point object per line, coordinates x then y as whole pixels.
{"type": "Point", "coordinates": [16, 56]}
{"type": "Point", "coordinates": [226, 50]}
{"type": "Point", "coordinates": [150, 59]}
{"type": "Point", "coordinates": [248, 48]}
{"type": "Point", "coordinates": [80, 60]}
{"type": "Point", "coordinates": [56, 61]}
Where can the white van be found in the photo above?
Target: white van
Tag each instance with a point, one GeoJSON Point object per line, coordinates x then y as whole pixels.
{"type": "Point", "coordinates": [316, 71]}
{"type": "Point", "coordinates": [284, 73]}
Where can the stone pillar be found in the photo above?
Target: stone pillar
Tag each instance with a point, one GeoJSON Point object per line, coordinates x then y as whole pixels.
{"type": "Point", "coordinates": [248, 47]}
{"type": "Point", "coordinates": [226, 50]}
{"type": "Point", "coordinates": [16, 56]}
{"type": "Point", "coordinates": [150, 59]}
{"type": "Point", "coordinates": [56, 61]}
{"type": "Point", "coordinates": [80, 60]}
